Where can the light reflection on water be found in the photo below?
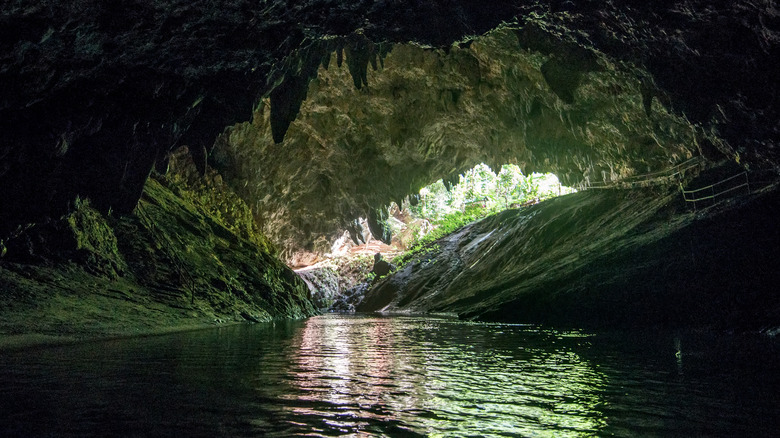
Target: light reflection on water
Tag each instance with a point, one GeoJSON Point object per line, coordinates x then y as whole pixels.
{"type": "Point", "coordinates": [395, 376]}
{"type": "Point", "coordinates": [429, 378]}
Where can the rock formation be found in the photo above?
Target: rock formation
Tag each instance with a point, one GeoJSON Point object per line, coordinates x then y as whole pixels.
{"type": "Point", "coordinates": [188, 256]}
{"type": "Point", "coordinates": [98, 94]}
{"type": "Point", "coordinates": [429, 114]}
{"type": "Point", "coordinates": [603, 258]}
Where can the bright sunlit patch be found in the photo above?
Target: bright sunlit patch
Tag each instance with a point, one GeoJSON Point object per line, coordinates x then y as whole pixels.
{"type": "Point", "coordinates": [482, 189]}
{"type": "Point", "coordinates": [466, 381]}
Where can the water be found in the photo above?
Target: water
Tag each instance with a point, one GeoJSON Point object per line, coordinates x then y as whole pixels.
{"type": "Point", "coordinates": [395, 376]}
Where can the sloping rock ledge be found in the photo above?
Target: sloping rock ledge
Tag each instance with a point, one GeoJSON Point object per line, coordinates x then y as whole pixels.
{"type": "Point", "coordinates": [169, 266]}
{"type": "Point", "coordinates": [604, 258]}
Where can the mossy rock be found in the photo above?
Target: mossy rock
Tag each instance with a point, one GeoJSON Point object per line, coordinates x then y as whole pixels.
{"type": "Point", "coordinates": [93, 240]}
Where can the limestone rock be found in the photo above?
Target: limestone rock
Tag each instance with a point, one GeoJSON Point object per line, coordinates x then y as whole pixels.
{"type": "Point", "coordinates": [323, 283]}
{"type": "Point", "coordinates": [97, 93]}
{"type": "Point", "coordinates": [603, 258]}
{"type": "Point", "coordinates": [430, 114]}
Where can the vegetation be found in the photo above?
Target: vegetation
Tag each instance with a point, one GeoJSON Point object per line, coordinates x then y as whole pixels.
{"type": "Point", "coordinates": [214, 197]}
{"type": "Point", "coordinates": [481, 187]}
{"type": "Point", "coordinates": [91, 240]}
{"type": "Point", "coordinates": [352, 270]}
{"type": "Point", "coordinates": [480, 192]}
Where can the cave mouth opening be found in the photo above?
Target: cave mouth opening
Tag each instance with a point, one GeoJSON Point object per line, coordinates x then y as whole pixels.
{"type": "Point", "coordinates": [492, 191]}
{"type": "Point", "coordinates": [444, 206]}
{"type": "Point", "coordinates": [374, 247]}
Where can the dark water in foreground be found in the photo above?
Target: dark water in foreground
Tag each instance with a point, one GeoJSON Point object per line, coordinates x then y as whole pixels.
{"type": "Point", "coordinates": [395, 376]}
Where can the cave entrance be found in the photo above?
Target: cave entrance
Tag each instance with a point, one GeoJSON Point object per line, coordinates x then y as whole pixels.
{"type": "Point", "coordinates": [439, 208]}
{"type": "Point", "coordinates": [429, 113]}
{"type": "Point", "coordinates": [487, 191]}
{"type": "Point", "coordinates": [443, 206]}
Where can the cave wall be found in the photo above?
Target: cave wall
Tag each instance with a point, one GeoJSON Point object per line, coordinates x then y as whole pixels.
{"type": "Point", "coordinates": [606, 259]}
{"type": "Point", "coordinates": [424, 114]}
{"type": "Point", "coordinates": [181, 260]}
{"type": "Point", "coordinates": [95, 93]}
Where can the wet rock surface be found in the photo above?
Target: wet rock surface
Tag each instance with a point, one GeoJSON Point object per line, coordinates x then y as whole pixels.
{"type": "Point", "coordinates": [609, 258]}
{"type": "Point", "coordinates": [332, 282]}
{"type": "Point", "coordinates": [323, 283]}
{"type": "Point", "coordinates": [350, 298]}
{"type": "Point", "coordinates": [170, 265]}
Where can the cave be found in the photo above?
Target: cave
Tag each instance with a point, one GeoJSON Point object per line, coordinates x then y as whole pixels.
{"type": "Point", "coordinates": [165, 163]}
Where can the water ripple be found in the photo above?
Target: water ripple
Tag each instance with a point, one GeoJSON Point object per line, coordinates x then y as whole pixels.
{"type": "Point", "coordinates": [446, 381]}
{"type": "Point", "coordinates": [369, 376]}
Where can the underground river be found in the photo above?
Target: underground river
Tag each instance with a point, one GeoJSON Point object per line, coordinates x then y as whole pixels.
{"type": "Point", "coordinates": [373, 375]}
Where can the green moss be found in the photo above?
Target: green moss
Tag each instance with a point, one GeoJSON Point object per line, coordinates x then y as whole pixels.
{"type": "Point", "coordinates": [213, 269]}
{"type": "Point", "coordinates": [214, 197]}
{"type": "Point", "coordinates": [94, 239]}
{"type": "Point", "coordinates": [168, 265]}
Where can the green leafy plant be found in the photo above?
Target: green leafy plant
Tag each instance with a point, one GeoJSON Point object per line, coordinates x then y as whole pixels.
{"type": "Point", "coordinates": [479, 193]}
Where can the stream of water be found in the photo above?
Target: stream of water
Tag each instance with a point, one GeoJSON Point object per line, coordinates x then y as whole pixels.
{"type": "Point", "coordinates": [355, 375]}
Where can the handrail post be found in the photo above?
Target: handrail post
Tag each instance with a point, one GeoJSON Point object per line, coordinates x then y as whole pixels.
{"type": "Point", "coordinates": [747, 181]}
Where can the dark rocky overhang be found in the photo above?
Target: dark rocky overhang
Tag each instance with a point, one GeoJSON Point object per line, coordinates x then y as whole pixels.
{"type": "Point", "coordinates": [95, 93]}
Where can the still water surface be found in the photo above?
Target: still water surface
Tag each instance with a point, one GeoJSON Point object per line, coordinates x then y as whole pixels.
{"type": "Point", "coordinates": [395, 376]}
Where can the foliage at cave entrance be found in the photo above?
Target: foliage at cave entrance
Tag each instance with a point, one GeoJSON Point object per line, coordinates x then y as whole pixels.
{"type": "Point", "coordinates": [482, 189]}
{"type": "Point", "coordinates": [480, 192]}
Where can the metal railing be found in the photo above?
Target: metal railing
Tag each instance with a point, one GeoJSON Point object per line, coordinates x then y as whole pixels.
{"type": "Point", "coordinates": [676, 174]}
{"type": "Point", "coordinates": [717, 189]}
{"type": "Point", "coordinates": [665, 176]}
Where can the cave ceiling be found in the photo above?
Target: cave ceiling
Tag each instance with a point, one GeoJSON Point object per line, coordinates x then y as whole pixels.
{"type": "Point", "coordinates": [95, 94]}
{"type": "Point", "coordinates": [422, 113]}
